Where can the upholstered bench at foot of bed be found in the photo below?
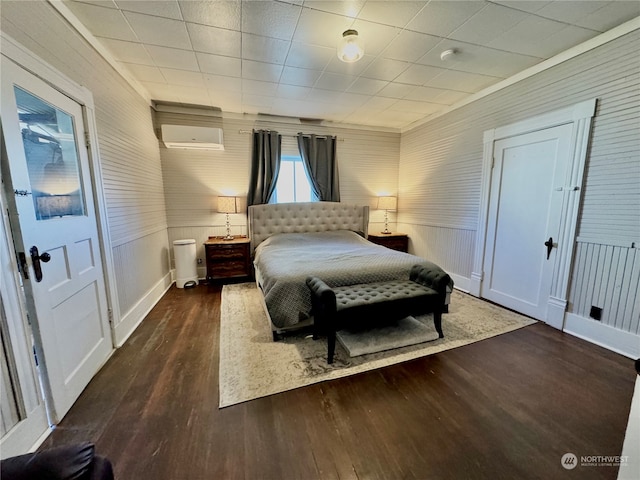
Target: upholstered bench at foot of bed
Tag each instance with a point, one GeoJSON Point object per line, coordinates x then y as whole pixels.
{"type": "Point", "coordinates": [334, 308]}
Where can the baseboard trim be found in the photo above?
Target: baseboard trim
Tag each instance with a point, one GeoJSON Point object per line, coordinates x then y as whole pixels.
{"type": "Point", "coordinates": [134, 317]}
{"type": "Point", "coordinates": [619, 341]}
{"type": "Point", "coordinates": [460, 283]}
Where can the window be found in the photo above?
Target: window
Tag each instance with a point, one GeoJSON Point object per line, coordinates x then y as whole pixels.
{"type": "Point", "coordinates": [293, 184]}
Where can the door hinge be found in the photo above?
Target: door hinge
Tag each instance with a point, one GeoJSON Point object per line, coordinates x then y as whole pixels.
{"type": "Point", "coordinates": [110, 316]}
{"type": "Point", "coordinates": [35, 356]}
{"type": "Point", "coordinates": [87, 139]}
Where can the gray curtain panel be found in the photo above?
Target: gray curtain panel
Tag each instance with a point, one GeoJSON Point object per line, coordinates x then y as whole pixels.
{"type": "Point", "coordinates": [319, 156]}
{"type": "Point", "coordinates": [265, 165]}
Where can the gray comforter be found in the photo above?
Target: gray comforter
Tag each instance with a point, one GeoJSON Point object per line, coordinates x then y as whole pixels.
{"type": "Point", "coordinates": [284, 261]}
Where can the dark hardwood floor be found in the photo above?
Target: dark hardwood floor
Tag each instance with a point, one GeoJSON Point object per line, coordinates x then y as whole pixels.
{"type": "Point", "coordinates": [504, 408]}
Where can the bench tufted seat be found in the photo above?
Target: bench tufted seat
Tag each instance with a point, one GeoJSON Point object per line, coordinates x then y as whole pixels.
{"type": "Point", "coordinates": [333, 308]}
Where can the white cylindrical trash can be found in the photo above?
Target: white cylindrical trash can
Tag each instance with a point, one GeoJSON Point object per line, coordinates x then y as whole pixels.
{"type": "Point", "coordinates": [184, 253]}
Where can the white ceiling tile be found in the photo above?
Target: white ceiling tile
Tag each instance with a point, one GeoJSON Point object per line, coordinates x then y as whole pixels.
{"type": "Point", "coordinates": [270, 19]}
{"type": "Point", "coordinates": [396, 90]}
{"type": "Point", "coordinates": [103, 22]}
{"type": "Point", "coordinates": [526, 34]}
{"type": "Point", "coordinates": [159, 31]}
{"type": "Point", "coordinates": [173, 58]}
{"type": "Point", "coordinates": [478, 59]}
{"type": "Point", "coordinates": [611, 15]}
{"type": "Point", "coordinates": [352, 99]}
{"type": "Point", "coordinates": [222, 13]}
{"type": "Point", "coordinates": [162, 91]}
{"type": "Point", "coordinates": [336, 65]}
{"type": "Point", "coordinates": [530, 6]}
{"type": "Point", "coordinates": [256, 87]}
{"type": "Point", "coordinates": [334, 81]}
{"type": "Point", "coordinates": [410, 46]}
{"type": "Point", "coordinates": [380, 103]}
{"type": "Point", "coordinates": [220, 65]}
{"type": "Point", "coordinates": [223, 83]}
{"type": "Point", "coordinates": [462, 81]}
{"type": "Point", "coordinates": [215, 40]}
{"type": "Point", "coordinates": [164, 8]}
{"type": "Point", "coordinates": [144, 73]}
{"type": "Point", "coordinates": [385, 69]}
{"type": "Point", "coordinates": [397, 14]}
{"type": "Point", "coordinates": [320, 28]}
{"type": "Point", "coordinates": [488, 24]}
{"type": "Point", "coordinates": [309, 56]}
{"type": "Point", "coordinates": [399, 118]}
{"type": "Point", "coordinates": [375, 37]}
{"type": "Point", "coordinates": [449, 97]}
{"type": "Point", "coordinates": [299, 76]}
{"type": "Point", "coordinates": [418, 107]}
{"type": "Point", "coordinates": [367, 86]}
{"type": "Point", "coordinates": [348, 9]}
{"type": "Point", "coordinates": [443, 17]}
{"type": "Point", "coordinates": [425, 94]}
{"type": "Point", "coordinates": [260, 101]}
{"type": "Point", "coordinates": [128, 52]}
{"type": "Point", "coordinates": [323, 96]}
{"type": "Point", "coordinates": [268, 72]}
{"type": "Point", "coordinates": [548, 46]}
{"type": "Point", "coordinates": [264, 49]}
{"type": "Point", "coordinates": [569, 11]}
{"type": "Point", "coordinates": [99, 3]}
{"type": "Point", "coordinates": [182, 77]}
{"type": "Point", "coordinates": [418, 74]}
{"type": "Point", "coordinates": [195, 96]}
{"type": "Point", "coordinates": [292, 91]}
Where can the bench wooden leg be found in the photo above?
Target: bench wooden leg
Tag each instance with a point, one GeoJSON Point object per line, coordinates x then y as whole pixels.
{"type": "Point", "coordinates": [437, 320]}
{"type": "Point", "coordinates": [331, 344]}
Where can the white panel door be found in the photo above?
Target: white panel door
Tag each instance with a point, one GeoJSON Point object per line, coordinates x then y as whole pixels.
{"type": "Point", "coordinates": [57, 231]}
{"type": "Point", "coordinates": [525, 207]}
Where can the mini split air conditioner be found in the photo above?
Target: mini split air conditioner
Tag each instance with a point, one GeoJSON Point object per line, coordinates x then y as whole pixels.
{"type": "Point", "coordinates": [192, 138]}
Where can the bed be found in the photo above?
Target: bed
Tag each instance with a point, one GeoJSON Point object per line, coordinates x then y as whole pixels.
{"type": "Point", "coordinates": [290, 242]}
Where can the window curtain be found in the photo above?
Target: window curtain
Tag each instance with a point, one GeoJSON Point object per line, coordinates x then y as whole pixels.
{"type": "Point", "coordinates": [265, 165]}
{"type": "Point", "coordinates": [319, 156]}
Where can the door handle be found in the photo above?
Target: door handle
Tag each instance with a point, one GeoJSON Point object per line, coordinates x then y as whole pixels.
{"type": "Point", "coordinates": [35, 259]}
{"type": "Point", "coordinates": [549, 244]}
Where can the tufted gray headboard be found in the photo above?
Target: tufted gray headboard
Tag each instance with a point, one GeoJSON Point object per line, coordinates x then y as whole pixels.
{"type": "Point", "coordinates": [266, 220]}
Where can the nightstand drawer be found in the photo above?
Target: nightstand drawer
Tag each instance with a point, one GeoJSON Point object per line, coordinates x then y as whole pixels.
{"type": "Point", "coordinates": [229, 269]}
{"type": "Point", "coordinates": [226, 252]}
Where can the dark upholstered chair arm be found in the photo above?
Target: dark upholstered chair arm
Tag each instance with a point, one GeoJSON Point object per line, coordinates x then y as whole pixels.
{"type": "Point", "coordinates": [432, 276]}
{"type": "Point", "coordinates": [323, 294]}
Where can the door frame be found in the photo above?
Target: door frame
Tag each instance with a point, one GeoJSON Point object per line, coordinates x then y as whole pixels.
{"type": "Point", "coordinates": [580, 116]}
{"type": "Point", "coordinates": [28, 61]}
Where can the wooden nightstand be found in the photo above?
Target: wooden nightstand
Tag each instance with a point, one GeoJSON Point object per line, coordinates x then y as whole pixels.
{"type": "Point", "coordinates": [395, 241]}
{"type": "Point", "coordinates": [228, 258]}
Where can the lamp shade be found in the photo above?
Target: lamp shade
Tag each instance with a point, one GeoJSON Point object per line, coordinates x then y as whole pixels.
{"type": "Point", "coordinates": [387, 203]}
{"type": "Point", "coordinates": [228, 204]}
{"type": "Point", "coordinates": [350, 47]}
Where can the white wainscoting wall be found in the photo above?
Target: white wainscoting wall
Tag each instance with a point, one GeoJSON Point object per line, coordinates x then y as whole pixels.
{"type": "Point", "coordinates": [129, 157]}
{"type": "Point", "coordinates": [441, 162]}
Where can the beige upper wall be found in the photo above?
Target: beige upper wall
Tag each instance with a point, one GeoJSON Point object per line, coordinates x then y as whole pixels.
{"type": "Point", "coordinates": [367, 163]}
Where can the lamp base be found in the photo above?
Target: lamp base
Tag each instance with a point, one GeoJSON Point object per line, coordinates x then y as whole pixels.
{"type": "Point", "coordinates": [228, 237]}
{"type": "Point", "coordinates": [386, 233]}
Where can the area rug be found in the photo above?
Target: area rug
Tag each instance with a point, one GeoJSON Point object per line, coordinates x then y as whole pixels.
{"type": "Point", "coordinates": [252, 365]}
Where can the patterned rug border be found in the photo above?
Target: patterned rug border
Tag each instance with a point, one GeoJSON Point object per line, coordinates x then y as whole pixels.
{"type": "Point", "coordinates": [252, 365]}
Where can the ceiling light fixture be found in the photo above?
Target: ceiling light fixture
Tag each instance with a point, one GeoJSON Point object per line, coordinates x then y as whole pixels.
{"type": "Point", "coordinates": [447, 54]}
{"type": "Point", "coordinates": [350, 47]}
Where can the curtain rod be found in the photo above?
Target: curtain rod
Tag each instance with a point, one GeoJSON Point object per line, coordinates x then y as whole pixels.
{"type": "Point", "coordinates": [290, 136]}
